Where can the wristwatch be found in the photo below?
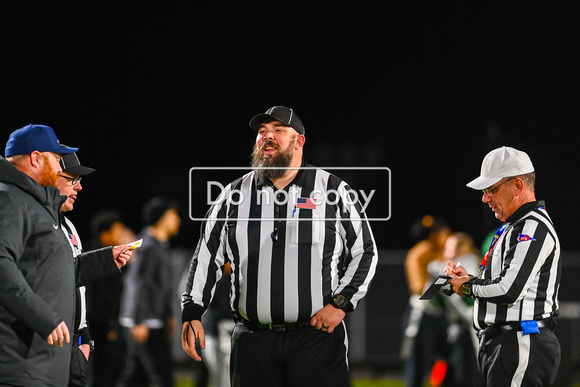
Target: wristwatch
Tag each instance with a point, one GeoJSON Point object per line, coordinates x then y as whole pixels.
{"type": "Point", "coordinates": [339, 301]}
{"type": "Point", "coordinates": [466, 290]}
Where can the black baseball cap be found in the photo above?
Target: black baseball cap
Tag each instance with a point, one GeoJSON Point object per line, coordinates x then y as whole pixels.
{"type": "Point", "coordinates": [70, 163]}
{"type": "Point", "coordinates": [278, 113]}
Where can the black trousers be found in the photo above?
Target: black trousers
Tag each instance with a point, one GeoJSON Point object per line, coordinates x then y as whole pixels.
{"type": "Point", "coordinates": [303, 357]}
{"type": "Point", "coordinates": [148, 364]}
{"type": "Point", "coordinates": [510, 358]}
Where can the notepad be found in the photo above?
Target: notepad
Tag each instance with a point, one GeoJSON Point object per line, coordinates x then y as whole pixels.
{"type": "Point", "coordinates": [435, 287]}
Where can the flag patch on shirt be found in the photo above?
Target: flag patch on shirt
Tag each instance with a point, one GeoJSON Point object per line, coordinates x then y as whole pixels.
{"type": "Point", "coordinates": [525, 238]}
{"type": "Point", "coordinates": [305, 203]}
{"type": "Point", "coordinates": [73, 240]}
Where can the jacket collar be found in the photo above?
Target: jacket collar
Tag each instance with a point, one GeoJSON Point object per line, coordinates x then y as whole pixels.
{"type": "Point", "coordinates": [49, 197]}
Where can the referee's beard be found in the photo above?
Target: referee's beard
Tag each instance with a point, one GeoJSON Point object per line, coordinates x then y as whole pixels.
{"type": "Point", "coordinates": [282, 159]}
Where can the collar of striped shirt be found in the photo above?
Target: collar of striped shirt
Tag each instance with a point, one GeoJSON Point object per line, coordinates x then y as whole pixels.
{"type": "Point", "coordinates": [524, 209]}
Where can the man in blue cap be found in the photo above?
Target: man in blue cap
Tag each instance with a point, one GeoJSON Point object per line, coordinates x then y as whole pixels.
{"type": "Point", "coordinates": [37, 280]}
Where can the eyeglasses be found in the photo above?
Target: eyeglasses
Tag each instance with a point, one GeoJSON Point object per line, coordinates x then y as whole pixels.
{"type": "Point", "coordinates": [493, 191]}
{"type": "Point", "coordinates": [72, 180]}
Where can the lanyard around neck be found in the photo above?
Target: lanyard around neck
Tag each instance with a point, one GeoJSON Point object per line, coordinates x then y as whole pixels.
{"type": "Point", "coordinates": [496, 237]}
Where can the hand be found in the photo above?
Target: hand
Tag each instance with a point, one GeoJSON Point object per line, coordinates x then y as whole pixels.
{"type": "Point", "coordinates": [455, 270]}
{"type": "Point", "coordinates": [327, 318]}
{"type": "Point", "coordinates": [122, 255]}
{"type": "Point", "coordinates": [86, 350]}
{"type": "Point", "coordinates": [59, 334]}
{"type": "Point", "coordinates": [457, 282]}
{"type": "Point", "coordinates": [140, 333]}
{"type": "Point", "coordinates": [189, 332]}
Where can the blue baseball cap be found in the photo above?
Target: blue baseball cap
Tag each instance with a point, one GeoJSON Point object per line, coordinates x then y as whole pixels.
{"type": "Point", "coordinates": [32, 138]}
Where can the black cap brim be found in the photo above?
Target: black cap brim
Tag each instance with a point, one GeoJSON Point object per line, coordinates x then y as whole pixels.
{"type": "Point", "coordinates": [258, 119]}
{"type": "Point", "coordinates": [79, 170]}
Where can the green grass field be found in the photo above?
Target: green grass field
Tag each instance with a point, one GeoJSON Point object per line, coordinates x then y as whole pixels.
{"type": "Point", "coordinates": [377, 383]}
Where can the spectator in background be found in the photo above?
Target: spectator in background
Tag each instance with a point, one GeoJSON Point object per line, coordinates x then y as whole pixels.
{"type": "Point", "coordinates": [146, 307]}
{"type": "Point", "coordinates": [104, 299]}
{"type": "Point", "coordinates": [425, 323]}
{"type": "Point", "coordinates": [459, 354]}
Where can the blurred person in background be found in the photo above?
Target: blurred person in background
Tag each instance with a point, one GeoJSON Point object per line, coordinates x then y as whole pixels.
{"type": "Point", "coordinates": [425, 323]}
{"type": "Point", "coordinates": [458, 363]}
{"type": "Point", "coordinates": [147, 299]}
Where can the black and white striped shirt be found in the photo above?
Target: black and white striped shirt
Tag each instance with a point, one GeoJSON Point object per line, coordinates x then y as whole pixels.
{"type": "Point", "coordinates": [522, 276]}
{"type": "Point", "coordinates": [289, 256]}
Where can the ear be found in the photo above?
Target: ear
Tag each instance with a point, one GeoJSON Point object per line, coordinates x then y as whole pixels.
{"type": "Point", "coordinates": [35, 158]}
{"type": "Point", "coordinates": [300, 140]}
{"type": "Point", "coordinates": [519, 184]}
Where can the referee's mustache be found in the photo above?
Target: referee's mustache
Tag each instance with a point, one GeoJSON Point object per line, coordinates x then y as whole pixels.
{"type": "Point", "coordinates": [269, 143]}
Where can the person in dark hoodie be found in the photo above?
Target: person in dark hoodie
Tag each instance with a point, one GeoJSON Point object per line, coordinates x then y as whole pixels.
{"type": "Point", "coordinates": [37, 273]}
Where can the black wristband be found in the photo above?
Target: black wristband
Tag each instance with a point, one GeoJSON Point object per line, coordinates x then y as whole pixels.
{"type": "Point", "coordinates": [341, 302]}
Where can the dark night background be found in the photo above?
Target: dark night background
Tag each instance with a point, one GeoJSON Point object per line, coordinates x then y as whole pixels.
{"type": "Point", "coordinates": [151, 89]}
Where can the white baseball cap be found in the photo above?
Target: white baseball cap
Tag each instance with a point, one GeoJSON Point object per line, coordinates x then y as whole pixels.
{"type": "Point", "coordinates": [499, 163]}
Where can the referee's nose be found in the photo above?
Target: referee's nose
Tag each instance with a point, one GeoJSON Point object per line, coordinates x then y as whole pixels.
{"type": "Point", "coordinates": [268, 135]}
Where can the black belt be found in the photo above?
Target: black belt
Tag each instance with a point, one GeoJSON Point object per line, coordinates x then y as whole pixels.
{"type": "Point", "coordinates": [276, 328]}
{"type": "Point", "coordinates": [498, 329]}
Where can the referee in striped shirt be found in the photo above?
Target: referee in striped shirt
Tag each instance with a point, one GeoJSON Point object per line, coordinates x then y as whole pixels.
{"type": "Point", "coordinates": [302, 255]}
{"type": "Point", "coordinates": [516, 291]}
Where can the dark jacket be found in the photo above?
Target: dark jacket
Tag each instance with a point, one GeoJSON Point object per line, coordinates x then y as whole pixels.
{"type": "Point", "coordinates": [147, 294]}
{"type": "Point", "coordinates": [37, 281]}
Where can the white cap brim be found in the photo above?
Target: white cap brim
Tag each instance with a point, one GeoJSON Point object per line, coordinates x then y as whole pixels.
{"type": "Point", "coordinates": [483, 182]}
